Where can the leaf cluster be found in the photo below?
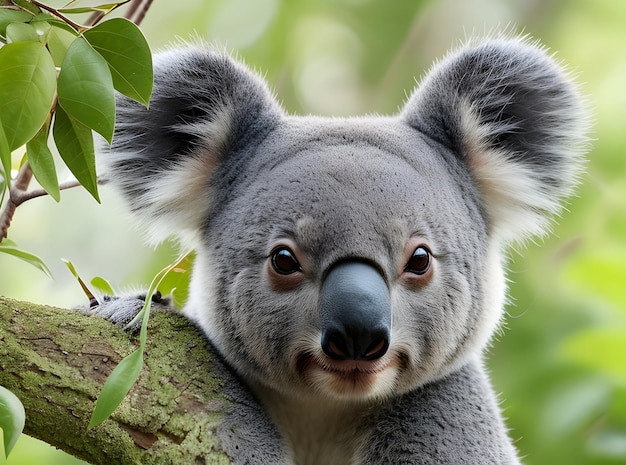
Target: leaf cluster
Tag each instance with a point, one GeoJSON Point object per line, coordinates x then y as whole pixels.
{"type": "Point", "coordinates": [60, 77]}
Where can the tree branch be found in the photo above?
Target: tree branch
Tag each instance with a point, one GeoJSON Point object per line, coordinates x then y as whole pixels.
{"type": "Point", "coordinates": [56, 362]}
{"type": "Point", "coordinates": [19, 186]}
{"type": "Point", "coordinates": [77, 27]}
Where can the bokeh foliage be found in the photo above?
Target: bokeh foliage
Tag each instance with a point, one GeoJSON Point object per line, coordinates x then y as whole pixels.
{"type": "Point", "coordinates": [560, 363]}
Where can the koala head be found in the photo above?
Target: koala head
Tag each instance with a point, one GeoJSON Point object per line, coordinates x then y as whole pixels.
{"type": "Point", "coordinates": [350, 258]}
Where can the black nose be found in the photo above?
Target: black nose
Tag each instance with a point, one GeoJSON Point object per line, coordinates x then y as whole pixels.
{"type": "Point", "coordinates": [355, 313]}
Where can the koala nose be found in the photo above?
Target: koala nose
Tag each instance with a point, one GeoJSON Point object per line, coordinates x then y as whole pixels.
{"type": "Point", "coordinates": [355, 313]}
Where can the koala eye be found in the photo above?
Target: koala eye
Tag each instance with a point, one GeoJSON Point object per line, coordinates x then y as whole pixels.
{"type": "Point", "coordinates": [284, 261]}
{"type": "Point", "coordinates": [419, 263]}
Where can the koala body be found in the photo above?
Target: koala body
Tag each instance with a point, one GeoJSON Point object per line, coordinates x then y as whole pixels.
{"type": "Point", "coordinates": [350, 270]}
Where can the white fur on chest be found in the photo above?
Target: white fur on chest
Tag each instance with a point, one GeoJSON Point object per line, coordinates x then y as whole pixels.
{"type": "Point", "coordinates": [317, 431]}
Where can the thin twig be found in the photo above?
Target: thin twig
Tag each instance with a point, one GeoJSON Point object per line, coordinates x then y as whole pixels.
{"type": "Point", "coordinates": [19, 186]}
{"type": "Point", "coordinates": [77, 27]}
{"type": "Point", "coordinates": [33, 194]}
{"type": "Point", "coordinates": [96, 16]}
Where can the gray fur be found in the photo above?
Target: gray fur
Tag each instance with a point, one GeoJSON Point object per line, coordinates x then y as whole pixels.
{"type": "Point", "coordinates": [482, 154]}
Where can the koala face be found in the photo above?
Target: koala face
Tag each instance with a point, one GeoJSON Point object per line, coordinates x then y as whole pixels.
{"type": "Point", "coordinates": [351, 258]}
{"type": "Point", "coordinates": [325, 195]}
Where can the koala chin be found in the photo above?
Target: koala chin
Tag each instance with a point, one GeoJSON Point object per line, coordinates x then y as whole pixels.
{"type": "Point", "coordinates": [350, 270]}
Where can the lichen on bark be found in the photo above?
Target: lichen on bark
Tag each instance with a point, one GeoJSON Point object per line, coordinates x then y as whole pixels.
{"type": "Point", "coordinates": [56, 361]}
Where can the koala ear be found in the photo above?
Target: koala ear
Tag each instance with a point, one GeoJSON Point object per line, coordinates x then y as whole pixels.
{"type": "Point", "coordinates": [205, 108]}
{"type": "Point", "coordinates": [514, 117]}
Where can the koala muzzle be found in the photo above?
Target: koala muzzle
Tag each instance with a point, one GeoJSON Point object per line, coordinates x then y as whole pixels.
{"type": "Point", "coordinates": [355, 312]}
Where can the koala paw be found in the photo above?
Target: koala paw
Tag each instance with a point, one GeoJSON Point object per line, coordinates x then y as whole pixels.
{"type": "Point", "coordinates": [121, 310]}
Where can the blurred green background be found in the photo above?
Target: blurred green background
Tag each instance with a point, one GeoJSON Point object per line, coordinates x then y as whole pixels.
{"type": "Point", "coordinates": [560, 365]}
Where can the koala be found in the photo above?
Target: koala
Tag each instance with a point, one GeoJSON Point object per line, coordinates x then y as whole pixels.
{"type": "Point", "coordinates": [350, 271]}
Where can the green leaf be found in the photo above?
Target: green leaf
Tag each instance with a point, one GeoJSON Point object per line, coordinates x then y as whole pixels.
{"type": "Point", "coordinates": [5, 158]}
{"type": "Point", "coordinates": [3, 187]}
{"type": "Point", "coordinates": [102, 285]}
{"type": "Point", "coordinates": [176, 281]}
{"type": "Point", "coordinates": [128, 55]}
{"type": "Point", "coordinates": [27, 5]}
{"type": "Point", "coordinates": [8, 16]}
{"type": "Point", "coordinates": [32, 32]}
{"type": "Point", "coordinates": [85, 88]}
{"type": "Point", "coordinates": [41, 162]}
{"type": "Point", "coordinates": [126, 373]}
{"type": "Point", "coordinates": [12, 417]}
{"type": "Point", "coordinates": [72, 269]}
{"type": "Point", "coordinates": [78, 10]}
{"type": "Point", "coordinates": [9, 247]}
{"type": "Point", "coordinates": [21, 32]}
{"type": "Point", "coordinates": [27, 86]}
{"type": "Point", "coordinates": [75, 143]}
{"type": "Point", "coordinates": [154, 285]}
{"type": "Point", "coordinates": [105, 8]}
{"type": "Point", "coordinates": [42, 28]}
{"type": "Point", "coordinates": [59, 40]}
{"type": "Point", "coordinates": [57, 24]}
{"type": "Point", "coordinates": [117, 386]}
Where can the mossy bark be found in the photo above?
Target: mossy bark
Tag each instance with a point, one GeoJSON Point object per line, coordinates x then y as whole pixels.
{"type": "Point", "coordinates": [56, 361]}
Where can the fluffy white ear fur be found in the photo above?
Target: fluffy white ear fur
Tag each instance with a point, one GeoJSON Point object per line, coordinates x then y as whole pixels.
{"type": "Point", "coordinates": [204, 107]}
{"type": "Point", "coordinates": [177, 200]}
{"type": "Point", "coordinates": [519, 204]}
{"type": "Point", "coordinates": [506, 108]}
